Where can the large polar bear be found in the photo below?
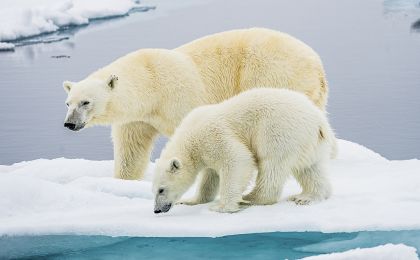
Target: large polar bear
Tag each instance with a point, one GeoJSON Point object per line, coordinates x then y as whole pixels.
{"type": "Point", "coordinates": [278, 132]}
{"type": "Point", "coordinates": [149, 91]}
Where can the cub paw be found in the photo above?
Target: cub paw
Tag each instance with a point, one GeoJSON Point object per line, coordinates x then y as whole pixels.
{"type": "Point", "coordinates": [301, 199]}
{"type": "Point", "coordinates": [224, 208]}
{"type": "Point", "coordinates": [251, 199]}
{"type": "Point", "coordinates": [189, 202]}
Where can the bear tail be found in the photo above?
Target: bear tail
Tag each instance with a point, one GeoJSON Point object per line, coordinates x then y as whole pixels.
{"type": "Point", "coordinates": [334, 149]}
{"type": "Point", "coordinates": [326, 134]}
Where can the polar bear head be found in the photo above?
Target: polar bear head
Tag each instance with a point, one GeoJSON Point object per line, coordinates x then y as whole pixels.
{"type": "Point", "coordinates": [87, 101]}
{"type": "Point", "coordinates": [172, 178]}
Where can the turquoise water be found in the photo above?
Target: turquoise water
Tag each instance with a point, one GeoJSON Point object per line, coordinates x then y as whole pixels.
{"type": "Point", "coordinates": [277, 245]}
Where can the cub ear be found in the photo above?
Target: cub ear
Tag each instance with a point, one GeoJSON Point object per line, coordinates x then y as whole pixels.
{"type": "Point", "coordinates": [174, 165]}
{"type": "Point", "coordinates": [67, 86]}
{"type": "Point", "coordinates": [112, 81]}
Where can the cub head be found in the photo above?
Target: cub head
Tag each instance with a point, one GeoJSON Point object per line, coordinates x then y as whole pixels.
{"type": "Point", "coordinates": [171, 180]}
{"type": "Point", "coordinates": [87, 100]}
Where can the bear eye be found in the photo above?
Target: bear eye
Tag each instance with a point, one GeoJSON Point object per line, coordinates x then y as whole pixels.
{"type": "Point", "coordinates": [161, 190]}
{"type": "Point", "coordinates": [85, 103]}
{"type": "Point", "coordinates": [67, 104]}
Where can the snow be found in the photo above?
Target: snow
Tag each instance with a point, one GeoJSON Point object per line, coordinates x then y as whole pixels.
{"type": "Point", "coordinates": [75, 196]}
{"type": "Point", "coordinates": [24, 18]}
{"type": "Point", "coordinates": [384, 252]}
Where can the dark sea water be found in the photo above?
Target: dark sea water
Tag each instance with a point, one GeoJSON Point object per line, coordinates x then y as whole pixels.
{"type": "Point", "coordinates": [371, 52]}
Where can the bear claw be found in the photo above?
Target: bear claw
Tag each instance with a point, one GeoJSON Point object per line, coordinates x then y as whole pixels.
{"type": "Point", "coordinates": [301, 199]}
{"type": "Point", "coordinates": [187, 202]}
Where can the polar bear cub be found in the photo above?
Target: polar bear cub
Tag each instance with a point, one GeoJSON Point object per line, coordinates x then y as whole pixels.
{"type": "Point", "coordinates": [278, 132]}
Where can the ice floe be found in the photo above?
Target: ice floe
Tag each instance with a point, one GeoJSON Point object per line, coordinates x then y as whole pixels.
{"type": "Point", "coordinates": [26, 18]}
{"type": "Point", "coordinates": [75, 196]}
{"type": "Point", "coordinates": [388, 252]}
{"type": "Point", "coordinates": [4, 46]}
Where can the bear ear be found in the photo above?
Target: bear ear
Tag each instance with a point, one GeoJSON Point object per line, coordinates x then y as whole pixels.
{"type": "Point", "coordinates": [174, 165]}
{"type": "Point", "coordinates": [67, 86]}
{"type": "Point", "coordinates": [112, 81]}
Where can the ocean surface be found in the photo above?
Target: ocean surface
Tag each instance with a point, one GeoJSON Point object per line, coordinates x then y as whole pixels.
{"type": "Point", "coordinates": [264, 246]}
{"type": "Point", "coordinates": [370, 49]}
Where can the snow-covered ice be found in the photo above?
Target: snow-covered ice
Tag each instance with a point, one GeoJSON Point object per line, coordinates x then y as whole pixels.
{"type": "Point", "coordinates": [24, 18]}
{"type": "Point", "coordinates": [74, 196]}
{"type": "Point", "coordinates": [384, 252]}
{"type": "Point", "coordinates": [4, 46]}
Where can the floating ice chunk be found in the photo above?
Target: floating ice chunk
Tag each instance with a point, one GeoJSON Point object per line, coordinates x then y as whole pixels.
{"type": "Point", "coordinates": [402, 5]}
{"type": "Point", "coordinates": [4, 46]}
{"type": "Point", "coordinates": [76, 196]}
{"type": "Point", "coordinates": [25, 18]}
{"type": "Point", "coordinates": [388, 252]}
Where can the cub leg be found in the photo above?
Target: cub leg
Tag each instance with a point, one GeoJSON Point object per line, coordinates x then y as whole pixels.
{"type": "Point", "coordinates": [208, 186]}
{"type": "Point", "coordinates": [315, 184]}
{"type": "Point", "coordinates": [269, 184]}
{"type": "Point", "coordinates": [234, 178]}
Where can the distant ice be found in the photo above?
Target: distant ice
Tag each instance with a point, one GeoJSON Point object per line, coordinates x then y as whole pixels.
{"type": "Point", "coordinates": [384, 252]}
{"type": "Point", "coordinates": [75, 196]}
{"type": "Point", "coordinates": [25, 18]}
{"type": "Point", "coordinates": [402, 5]}
{"type": "Point", "coordinates": [4, 46]}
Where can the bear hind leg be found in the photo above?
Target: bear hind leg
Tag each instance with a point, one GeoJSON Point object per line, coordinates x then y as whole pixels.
{"type": "Point", "coordinates": [315, 184]}
{"type": "Point", "coordinates": [269, 184]}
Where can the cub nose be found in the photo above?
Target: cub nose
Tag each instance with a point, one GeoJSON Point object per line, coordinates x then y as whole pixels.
{"type": "Point", "coordinates": [157, 211]}
{"type": "Point", "coordinates": [70, 126]}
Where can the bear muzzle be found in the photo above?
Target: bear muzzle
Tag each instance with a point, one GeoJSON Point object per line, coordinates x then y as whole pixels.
{"type": "Point", "coordinates": [163, 208]}
{"type": "Point", "coordinates": [74, 126]}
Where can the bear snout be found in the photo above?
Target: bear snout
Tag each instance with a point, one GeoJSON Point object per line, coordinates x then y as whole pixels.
{"type": "Point", "coordinates": [74, 126]}
{"type": "Point", "coordinates": [163, 209]}
{"type": "Point", "coordinates": [70, 126]}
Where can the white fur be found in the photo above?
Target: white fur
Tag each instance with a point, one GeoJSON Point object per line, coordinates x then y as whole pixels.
{"type": "Point", "coordinates": [278, 132]}
{"type": "Point", "coordinates": [156, 88]}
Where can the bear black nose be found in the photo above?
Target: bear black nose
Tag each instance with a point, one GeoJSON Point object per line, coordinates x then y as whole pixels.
{"type": "Point", "coordinates": [157, 211]}
{"type": "Point", "coordinates": [70, 126]}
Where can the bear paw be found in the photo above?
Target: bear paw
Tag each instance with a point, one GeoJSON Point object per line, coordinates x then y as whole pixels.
{"type": "Point", "coordinates": [224, 208]}
{"type": "Point", "coordinates": [257, 200]}
{"type": "Point", "coordinates": [189, 202]}
{"type": "Point", "coordinates": [301, 199]}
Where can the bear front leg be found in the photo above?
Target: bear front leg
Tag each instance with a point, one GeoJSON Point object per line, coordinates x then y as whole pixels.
{"type": "Point", "coordinates": [234, 179]}
{"type": "Point", "coordinates": [232, 185]}
{"type": "Point", "coordinates": [208, 186]}
{"type": "Point", "coordinates": [132, 146]}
